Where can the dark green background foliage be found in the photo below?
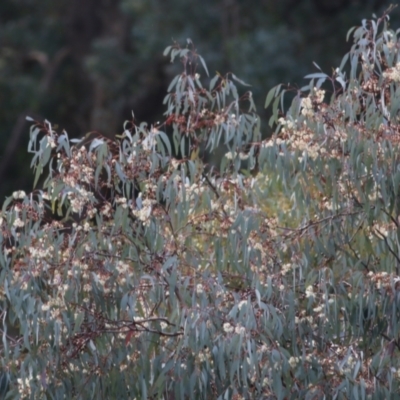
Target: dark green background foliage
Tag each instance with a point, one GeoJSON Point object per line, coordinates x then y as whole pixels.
{"type": "Point", "coordinates": [87, 64]}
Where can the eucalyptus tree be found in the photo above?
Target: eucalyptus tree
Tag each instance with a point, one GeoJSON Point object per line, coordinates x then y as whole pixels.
{"type": "Point", "coordinates": [137, 270]}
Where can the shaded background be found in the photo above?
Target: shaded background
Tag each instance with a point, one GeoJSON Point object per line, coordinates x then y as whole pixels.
{"type": "Point", "coordinates": [86, 64]}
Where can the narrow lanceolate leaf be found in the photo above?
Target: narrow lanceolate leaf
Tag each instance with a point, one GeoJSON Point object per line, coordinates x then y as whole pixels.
{"type": "Point", "coordinates": [167, 50]}
{"type": "Point", "coordinates": [203, 64]}
{"type": "Point", "coordinates": [316, 75]}
{"type": "Point", "coordinates": [271, 94]}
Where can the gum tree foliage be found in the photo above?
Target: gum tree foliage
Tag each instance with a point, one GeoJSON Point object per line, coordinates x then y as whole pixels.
{"type": "Point", "coordinates": [275, 275]}
{"type": "Point", "coordinates": [83, 64]}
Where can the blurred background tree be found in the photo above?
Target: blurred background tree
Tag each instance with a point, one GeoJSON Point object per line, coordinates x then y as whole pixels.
{"type": "Point", "coordinates": [86, 65]}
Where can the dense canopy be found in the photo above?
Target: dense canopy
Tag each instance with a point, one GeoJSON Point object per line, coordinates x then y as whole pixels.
{"type": "Point", "coordinates": [85, 65]}
{"type": "Point", "coordinates": [137, 270]}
